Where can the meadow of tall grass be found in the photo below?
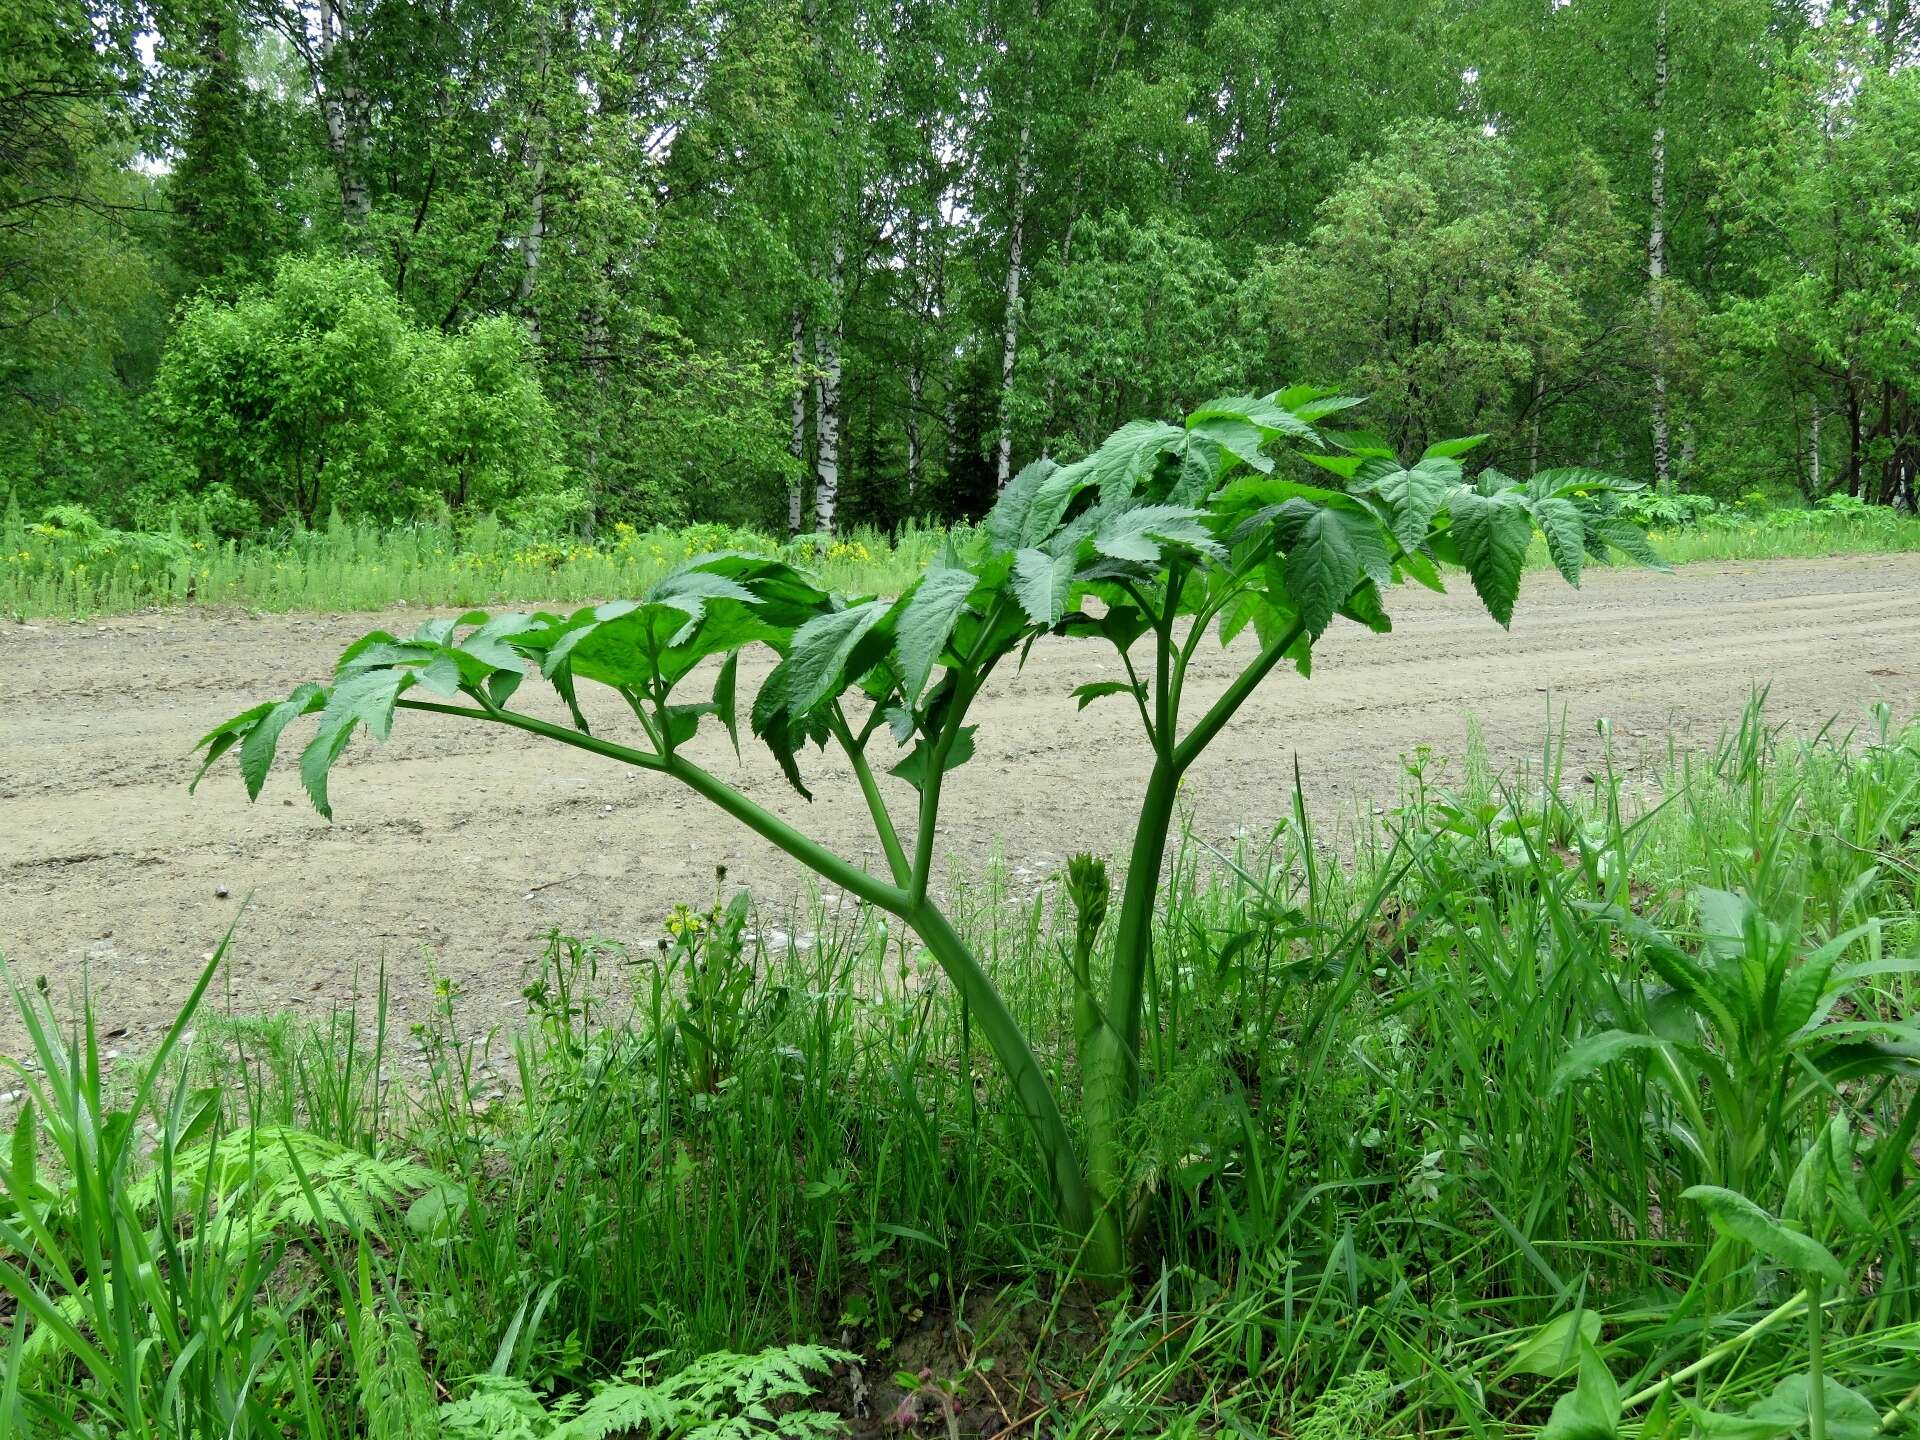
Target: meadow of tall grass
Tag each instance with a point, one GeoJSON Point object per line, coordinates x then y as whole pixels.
{"type": "Point", "coordinates": [1449, 1103]}
{"type": "Point", "coordinates": [67, 564]}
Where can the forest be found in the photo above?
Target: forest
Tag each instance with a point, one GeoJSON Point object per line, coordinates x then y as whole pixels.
{"type": "Point", "coordinates": [807, 265]}
{"type": "Point", "coordinates": [1090, 719]}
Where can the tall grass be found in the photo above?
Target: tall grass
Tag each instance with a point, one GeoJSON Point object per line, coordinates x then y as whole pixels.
{"type": "Point", "coordinates": [1375, 1171]}
{"type": "Point", "coordinates": [69, 565]}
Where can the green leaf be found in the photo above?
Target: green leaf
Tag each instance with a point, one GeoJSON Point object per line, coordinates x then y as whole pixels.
{"type": "Point", "coordinates": [1565, 527]}
{"type": "Point", "coordinates": [1264, 413]}
{"type": "Point", "coordinates": [926, 624]}
{"type": "Point", "coordinates": [1310, 403]}
{"type": "Point", "coordinates": [1140, 533]}
{"type": "Point", "coordinates": [223, 737]}
{"type": "Point", "coordinates": [1367, 444]}
{"type": "Point", "coordinates": [1628, 538]}
{"type": "Point", "coordinates": [1239, 437]}
{"type": "Point", "coordinates": [437, 1211]}
{"type": "Point", "coordinates": [25, 1154]}
{"type": "Point", "coordinates": [1413, 497]}
{"type": "Point", "coordinates": [365, 698]}
{"type": "Point", "coordinates": [1733, 1214]}
{"type": "Point", "coordinates": [1447, 449]}
{"type": "Point", "coordinates": [1589, 1411]}
{"type": "Point", "coordinates": [1590, 1054]}
{"type": "Point", "coordinates": [1492, 534]}
{"type": "Point", "coordinates": [813, 669]}
{"type": "Point", "coordinates": [1327, 557]}
{"type": "Point", "coordinates": [1006, 523]}
{"type": "Point", "coordinates": [913, 769]}
{"type": "Point", "coordinates": [257, 750]}
{"type": "Point", "coordinates": [1555, 1348]}
{"type": "Point", "coordinates": [1849, 1414]}
{"type": "Point", "coordinates": [1129, 455]}
{"type": "Point", "coordinates": [1801, 990]}
{"type": "Point", "coordinates": [1100, 689]}
{"type": "Point", "coordinates": [1042, 583]}
{"type": "Point", "coordinates": [725, 698]}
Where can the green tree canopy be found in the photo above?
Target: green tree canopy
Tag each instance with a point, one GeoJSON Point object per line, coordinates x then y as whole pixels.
{"type": "Point", "coordinates": [318, 390]}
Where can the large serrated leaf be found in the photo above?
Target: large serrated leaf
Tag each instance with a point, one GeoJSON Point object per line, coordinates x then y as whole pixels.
{"type": "Point", "coordinates": [257, 750]}
{"type": "Point", "coordinates": [814, 667]}
{"type": "Point", "coordinates": [365, 698]}
{"type": "Point", "coordinates": [1412, 496]}
{"type": "Point", "coordinates": [1141, 533]}
{"type": "Point", "coordinates": [1006, 523]}
{"type": "Point", "coordinates": [926, 623]}
{"type": "Point", "coordinates": [1042, 583]}
{"type": "Point", "coordinates": [1565, 527]}
{"type": "Point", "coordinates": [1447, 449]}
{"type": "Point", "coordinates": [1327, 557]}
{"type": "Point", "coordinates": [1492, 534]}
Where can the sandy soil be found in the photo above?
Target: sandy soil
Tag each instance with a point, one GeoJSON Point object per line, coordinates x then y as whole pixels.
{"type": "Point", "coordinates": [467, 844]}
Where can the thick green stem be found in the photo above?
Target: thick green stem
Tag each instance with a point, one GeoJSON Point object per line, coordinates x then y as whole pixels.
{"type": "Point", "coordinates": [1109, 1057]}
{"type": "Point", "coordinates": [876, 802]}
{"type": "Point", "coordinates": [989, 1009]}
{"type": "Point", "coordinates": [1222, 710]}
{"type": "Point", "coordinates": [1133, 934]}
{"type": "Point", "coordinates": [1016, 1057]}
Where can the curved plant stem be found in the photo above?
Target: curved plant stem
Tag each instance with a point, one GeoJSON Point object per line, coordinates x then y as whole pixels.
{"type": "Point", "coordinates": [1037, 1100]}
{"type": "Point", "coordinates": [1016, 1057]}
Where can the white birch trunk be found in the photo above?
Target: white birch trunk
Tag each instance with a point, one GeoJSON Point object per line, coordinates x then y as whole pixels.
{"type": "Point", "coordinates": [343, 111]}
{"type": "Point", "coordinates": [530, 245]}
{"type": "Point", "coordinates": [826, 484]}
{"type": "Point", "coordinates": [916, 389]}
{"type": "Point", "coordinates": [1657, 254]}
{"type": "Point", "coordinates": [796, 499]}
{"type": "Point", "coordinates": [1010, 335]}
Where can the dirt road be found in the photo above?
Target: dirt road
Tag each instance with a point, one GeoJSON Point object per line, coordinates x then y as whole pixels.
{"type": "Point", "coordinates": [469, 844]}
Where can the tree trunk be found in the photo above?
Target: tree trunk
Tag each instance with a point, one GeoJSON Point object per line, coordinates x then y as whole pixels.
{"type": "Point", "coordinates": [1533, 423]}
{"type": "Point", "coordinates": [1657, 253]}
{"type": "Point", "coordinates": [530, 244]}
{"type": "Point", "coordinates": [1853, 440]}
{"type": "Point", "coordinates": [797, 443]}
{"type": "Point", "coordinates": [826, 487]}
{"type": "Point", "coordinates": [916, 390]}
{"type": "Point", "coordinates": [1813, 451]}
{"type": "Point", "coordinates": [343, 110]}
{"type": "Point", "coordinates": [1010, 333]}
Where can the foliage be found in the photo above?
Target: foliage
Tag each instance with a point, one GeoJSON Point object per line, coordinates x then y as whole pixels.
{"type": "Point", "coordinates": [1354, 1159]}
{"type": "Point", "coordinates": [834, 254]}
{"type": "Point", "coordinates": [1448, 292]}
{"type": "Point", "coordinates": [316, 390]}
{"type": "Point", "coordinates": [720, 1396]}
{"type": "Point", "coordinates": [1145, 318]}
{"type": "Point", "coordinates": [1171, 531]}
{"type": "Point", "coordinates": [1829, 207]}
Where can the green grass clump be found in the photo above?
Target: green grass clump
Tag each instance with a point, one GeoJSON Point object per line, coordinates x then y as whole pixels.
{"type": "Point", "coordinates": [1402, 1181]}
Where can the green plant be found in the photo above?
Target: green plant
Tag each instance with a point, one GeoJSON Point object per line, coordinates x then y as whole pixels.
{"type": "Point", "coordinates": [721, 1396]}
{"type": "Point", "coordinates": [711, 1008]}
{"type": "Point", "coordinates": [1163, 534]}
{"type": "Point", "coordinates": [151, 1291]}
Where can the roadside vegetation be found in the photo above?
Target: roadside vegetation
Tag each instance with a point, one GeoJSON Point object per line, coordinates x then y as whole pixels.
{"type": "Point", "coordinates": [1451, 1106]}
{"type": "Point", "coordinates": [66, 564]}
